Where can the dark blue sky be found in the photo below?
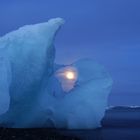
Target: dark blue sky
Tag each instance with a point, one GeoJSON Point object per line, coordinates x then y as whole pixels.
{"type": "Point", "coordinates": [105, 30]}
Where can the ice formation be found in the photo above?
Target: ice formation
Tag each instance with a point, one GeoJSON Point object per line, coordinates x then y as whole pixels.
{"type": "Point", "coordinates": [5, 80]}
{"type": "Point", "coordinates": [35, 92]}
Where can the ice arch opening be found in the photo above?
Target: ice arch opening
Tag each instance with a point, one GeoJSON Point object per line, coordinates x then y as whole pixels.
{"type": "Point", "coordinates": [67, 76]}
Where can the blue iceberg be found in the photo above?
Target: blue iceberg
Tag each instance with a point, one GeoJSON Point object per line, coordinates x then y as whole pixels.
{"type": "Point", "coordinates": [36, 92]}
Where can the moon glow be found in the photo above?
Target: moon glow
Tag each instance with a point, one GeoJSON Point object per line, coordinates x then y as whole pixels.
{"type": "Point", "coordinates": [67, 77]}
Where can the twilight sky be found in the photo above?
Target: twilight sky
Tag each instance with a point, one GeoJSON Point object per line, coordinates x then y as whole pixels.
{"type": "Point", "coordinates": [105, 30]}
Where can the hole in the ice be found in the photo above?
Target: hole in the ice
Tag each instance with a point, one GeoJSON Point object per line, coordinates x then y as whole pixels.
{"type": "Point", "coordinates": [67, 76]}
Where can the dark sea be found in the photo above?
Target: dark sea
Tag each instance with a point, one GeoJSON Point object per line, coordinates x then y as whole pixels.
{"type": "Point", "coordinates": [119, 123]}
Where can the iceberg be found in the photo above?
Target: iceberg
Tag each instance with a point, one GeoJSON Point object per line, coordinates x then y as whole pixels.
{"type": "Point", "coordinates": [5, 80]}
{"type": "Point", "coordinates": [36, 92]}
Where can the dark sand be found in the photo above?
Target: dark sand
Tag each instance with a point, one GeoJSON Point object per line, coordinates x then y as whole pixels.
{"type": "Point", "coordinates": [119, 123]}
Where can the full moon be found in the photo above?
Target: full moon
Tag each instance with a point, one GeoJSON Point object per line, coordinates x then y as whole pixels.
{"type": "Point", "coordinates": [67, 77]}
{"type": "Point", "coordinates": [70, 75]}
